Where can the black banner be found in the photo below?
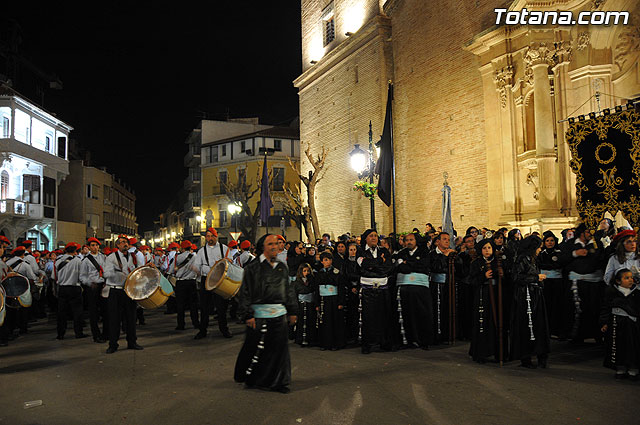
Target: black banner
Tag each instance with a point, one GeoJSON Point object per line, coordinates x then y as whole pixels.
{"type": "Point", "coordinates": [605, 157]}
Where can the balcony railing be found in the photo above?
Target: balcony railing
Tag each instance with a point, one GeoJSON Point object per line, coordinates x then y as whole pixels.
{"type": "Point", "coordinates": [20, 209]}
{"type": "Point", "coordinates": [191, 159]}
{"type": "Point", "coordinates": [191, 181]}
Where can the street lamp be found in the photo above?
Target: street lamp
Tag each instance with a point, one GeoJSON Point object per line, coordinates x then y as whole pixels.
{"type": "Point", "coordinates": [359, 165]}
{"type": "Point", "coordinates": [234, 209]}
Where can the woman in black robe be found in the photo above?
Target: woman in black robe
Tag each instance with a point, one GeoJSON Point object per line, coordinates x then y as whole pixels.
{"type": "Point", "coordinates": [529, 326]}
{"type": "Point", "coordinates": [265, 299]}
{"type": "Point", "coordinates": [305, 287]}
{"type": "Point", "coordinates": [483, 279]}
{"type": "Point", "coordinates": [557, 289]}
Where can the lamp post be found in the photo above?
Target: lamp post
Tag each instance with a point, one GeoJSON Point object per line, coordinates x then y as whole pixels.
{"type": "Point", "coordinates": [360, 166]}
{"type": "Point", "coordinates": [234, 209]}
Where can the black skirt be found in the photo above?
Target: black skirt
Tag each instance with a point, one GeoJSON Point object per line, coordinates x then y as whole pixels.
{"type": "Point", "coordinates": [376, 316]}
{"type": "Point", "coordinates": [306, 327]}
{"type": "Point", "coordinates": [623, 343]}
{"type": "Point", "coordinates": [417, 314]}
{"type": "Point", "coordinates": [264, 360]}
{"type": "Point", "coordinates": [522, 344]}
{"type": "Point", "coordinates": [331, 329]}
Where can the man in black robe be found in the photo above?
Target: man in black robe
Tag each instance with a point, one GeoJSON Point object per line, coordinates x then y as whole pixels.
{"type": "Point", "coordinates": [414, 296]}
{"type": "Point", "coordinates": [265, 299]}
{"type": "Point", "coordinates": [375, 267]}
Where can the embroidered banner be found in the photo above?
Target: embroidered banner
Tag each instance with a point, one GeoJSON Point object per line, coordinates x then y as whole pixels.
{"type": "Point", "coordinates": [605, 157]}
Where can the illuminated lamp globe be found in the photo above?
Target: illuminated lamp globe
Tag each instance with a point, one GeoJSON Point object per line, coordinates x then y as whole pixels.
{"type": "Point", "coordinates": [358, 159]}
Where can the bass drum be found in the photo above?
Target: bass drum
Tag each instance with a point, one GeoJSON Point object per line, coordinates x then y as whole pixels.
{"type": "Point", "coordinates": [17, 291]}
{"type": "Point", "coordinates": [224, 279]}
{"type": "Point", "coordinates": [148, 287]}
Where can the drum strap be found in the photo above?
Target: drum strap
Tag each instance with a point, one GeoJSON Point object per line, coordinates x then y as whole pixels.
{"type": "Point", "coordinates": [119, 261]}
{"type": "Point", "coordinates": [95, 264]}
{"type": "Point", "coordinates": [186, 260]}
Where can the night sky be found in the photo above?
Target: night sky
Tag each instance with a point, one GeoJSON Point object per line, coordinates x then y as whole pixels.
{"type": "Point", "coordinates": [137, 79]}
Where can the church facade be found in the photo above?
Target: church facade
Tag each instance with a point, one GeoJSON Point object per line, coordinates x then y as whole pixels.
{"type": "Point", "coordinates": [484, 103]}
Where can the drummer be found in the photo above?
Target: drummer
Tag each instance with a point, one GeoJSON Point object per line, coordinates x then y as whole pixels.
{"type": "Point", "coordinates": [67, 273]}
{"type": "Point", "coordinates": [139, 259]}
{"type": "Point", "coordinates": [91, 276]}
{"type": "Point", "coordinates": [117, 267]}
{"type": "Point", "coordinates": [19, 265]}
{"type": "Point", "coordinates": [245, 256]}
{"type": "Point", "coordinates": [205, 259]}
{"type": "Point", "coordinates": [186, 290]}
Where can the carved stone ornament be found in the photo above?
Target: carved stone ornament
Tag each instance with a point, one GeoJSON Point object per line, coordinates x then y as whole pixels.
{"type": "Point", "coordinates": [583, 41]}
{"type": "Point", "coordinates": [532, 180]}
{"type": "Point", "coordinates": [628, 44]}
{"type": "Point", "coordinates": [503, 79]}
{"type": "Point", "coordinates": [542, 53]}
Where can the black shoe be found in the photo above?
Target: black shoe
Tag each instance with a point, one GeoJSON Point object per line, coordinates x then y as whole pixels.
{"type": "Point", "coordinates": [3, 343]}
{"type": "Point", "coordinates": [334, 348]}
{"type": "Point", "coordinates": [111, 350]}
{"type": "Point", "coordinates": [81, 336]}
{"type": "Point", "coordinates": [633, 378]}
{"type": "Point", "coordinates": [179, 328]}
{"type": "Point", "coordinates": [528, 365]}
{"type": "Point", "coordinates": [227, 334]}
{"type": "Point", "coordinates": [283, 389]}
{"type": "Point", "coordinates": [621, 376]}
{"type": "Point", "coordinates": [134, 347]}
{"type": "Point", "coordinates": [99, 340]}
{"type": "Point", "coordinates": [366, 349]}
{"type": "Point", "coordinates": [60, 337]}
{"type": "Point", "coordinates": [542, 363]}
{"type": "Point", "coordinates": [200, 335]}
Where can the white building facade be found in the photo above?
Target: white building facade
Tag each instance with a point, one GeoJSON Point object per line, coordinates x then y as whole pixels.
{"type": "Point", "coordinates": [34, 149]}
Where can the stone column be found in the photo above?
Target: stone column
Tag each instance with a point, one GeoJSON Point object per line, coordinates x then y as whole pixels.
{"type": "Point", "coordinates": [538, 58]}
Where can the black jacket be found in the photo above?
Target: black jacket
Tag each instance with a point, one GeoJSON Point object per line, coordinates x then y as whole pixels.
{"type": "Point", "coordinates": [263, 284]}
{"type": "Point", "coordinates": [614, 298]}
{"type": "Point", "coordinates": [331, 276]}
{"type": "Point", "coordinates": [416, 263]}
{"type": "Point", "coordinates": [525, 271]}
{"type": "Point", "coordinates": [375, 267]}
{"type": "Point", "coordinates": [594, 260]}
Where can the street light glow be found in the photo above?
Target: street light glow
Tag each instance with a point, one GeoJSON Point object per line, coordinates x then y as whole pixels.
{"type": "Point", "coordinates": [358, 159]}
{"type": "Point", "coordinates": [234, 208]}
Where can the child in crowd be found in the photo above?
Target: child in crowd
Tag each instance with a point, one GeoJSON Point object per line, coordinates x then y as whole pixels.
{"type": "Point", "coordinates": [619, 319]}
{"type": "Point", "coordinates": [330, 291]}
{"type": "Point", "coordinates": [306, 332]}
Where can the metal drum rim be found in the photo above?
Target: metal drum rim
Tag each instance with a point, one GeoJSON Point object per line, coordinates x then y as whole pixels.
{"type": "Point", "coordinates": [127, 280]}
{"type": "Point", "coordinates": [216, 284]}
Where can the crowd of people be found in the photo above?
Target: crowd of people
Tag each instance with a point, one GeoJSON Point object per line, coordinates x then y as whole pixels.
{"type": "Point", "coordinates": [506, 293]}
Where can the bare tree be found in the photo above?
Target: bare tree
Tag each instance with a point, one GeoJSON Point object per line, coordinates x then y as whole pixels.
{"type": "Point", "coordinates": [310, 182]}
{"type": "Point", "coordinates": [241, 193]}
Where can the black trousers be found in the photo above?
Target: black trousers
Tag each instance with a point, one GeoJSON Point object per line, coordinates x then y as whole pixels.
{"type": "Point", "coordinates": [120, 305]}
{"type": "Point", "coordinates": [187, 294]}
{"type": "Point", "coordinates": [97, 307]}
{"type": "Point", "coordinates": [207, 300]}
{"type": "Point", "coordinates": [69, 297]}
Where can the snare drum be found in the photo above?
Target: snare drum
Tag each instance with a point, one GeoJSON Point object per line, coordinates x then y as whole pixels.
{"type": "Point", "coordinates": [17, 290]}
{"type": "Point", "coordinates": [148, 287]}
{"type": "Point", "coordinates": [224, 279]}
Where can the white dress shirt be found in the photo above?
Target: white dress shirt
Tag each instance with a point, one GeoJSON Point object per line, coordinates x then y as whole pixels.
{"type": "Point", "coordinates": [88, 272]}
{"type": "Point", "coordinates": [70, 273]}
{"type": "Point", "coordinates": [201, 266]}
{"type": "Point", "coordinates": [185, 271]}
{"type": "Point", "coordinates": [114, 275]}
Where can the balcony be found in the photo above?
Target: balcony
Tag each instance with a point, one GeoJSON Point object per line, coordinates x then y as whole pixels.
{"type": "Point", "coordinates": [192, 205]}
{"type": "Point", "coordinates": [20, 209]}
{"type": "Point", "coordinates": [192, 181]}
{"type": "Point", "coordinates": [192, 159]}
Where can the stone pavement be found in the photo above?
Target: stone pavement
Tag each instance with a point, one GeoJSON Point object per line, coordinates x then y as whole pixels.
{"type": "Point", "coordinates": [177, 380]}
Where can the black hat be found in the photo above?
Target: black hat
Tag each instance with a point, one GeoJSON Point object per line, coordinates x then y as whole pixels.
{"type": "Point", "coordinates": [549, 234]}
{"type": "Point", "coordinates": [363, 238]}
{"type": "Point", "coordinates": [482, 242]}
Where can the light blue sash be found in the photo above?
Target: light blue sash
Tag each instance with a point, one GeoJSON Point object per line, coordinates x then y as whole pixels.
{"type": "Point", "coordinates": [328, 290]}
{"type": "Point", "coordinates": [420, 279]}
{"type": "Point", "coordinates": [439, 277]}
{"type": "Point", "coordinates": [552, 274]}
{"type": "Point", "coordinates": [591, 277]}
{"type": "Point", "coordinates": [268, 311]}
{"type": "Point", "coordinates": [305, 298]}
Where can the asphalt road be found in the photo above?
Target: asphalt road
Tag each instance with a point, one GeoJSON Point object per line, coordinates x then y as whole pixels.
{"type": "Point", "coordinates": [177, 380]}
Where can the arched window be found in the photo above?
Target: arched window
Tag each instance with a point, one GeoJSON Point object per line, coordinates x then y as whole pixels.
{"type": "Point", "coordinates": [4, 185]}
